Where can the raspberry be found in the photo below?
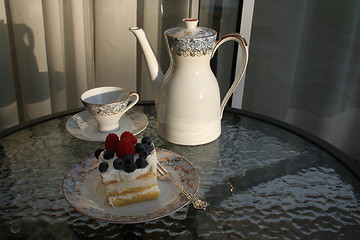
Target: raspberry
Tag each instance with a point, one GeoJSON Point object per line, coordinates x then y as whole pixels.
{"type": "Point", "coordinates": [111, 141]}
{"type": "Point", "coordinates": [130, 136]}
{"type": "Point", "coordinates": [125, 146]}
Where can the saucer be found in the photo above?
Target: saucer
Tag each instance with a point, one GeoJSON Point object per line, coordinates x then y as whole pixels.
{"type": "Point", "coordinates": [83, 126]}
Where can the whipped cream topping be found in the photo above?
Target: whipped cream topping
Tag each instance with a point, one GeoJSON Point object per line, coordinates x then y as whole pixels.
{"type": "Point", "coordinates": [120, 175]}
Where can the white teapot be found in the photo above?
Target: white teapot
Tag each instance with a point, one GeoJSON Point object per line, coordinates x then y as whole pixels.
{"type": "Point", "coordinates": [187, 98]}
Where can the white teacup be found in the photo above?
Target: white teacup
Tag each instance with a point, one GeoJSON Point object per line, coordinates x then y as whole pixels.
{"type": "Point", "coordinates": [107, 105]}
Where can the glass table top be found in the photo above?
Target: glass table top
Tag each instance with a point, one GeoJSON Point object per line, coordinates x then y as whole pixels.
{"type": "Point", "coordinates": [261, 181]}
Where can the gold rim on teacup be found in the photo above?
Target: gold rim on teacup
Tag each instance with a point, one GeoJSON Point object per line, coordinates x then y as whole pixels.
{"type": "Point", "coordinates": [107, 105]}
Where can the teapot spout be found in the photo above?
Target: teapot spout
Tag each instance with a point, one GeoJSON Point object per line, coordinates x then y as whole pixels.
{"type": "Point", "coordinates": [153, 66]}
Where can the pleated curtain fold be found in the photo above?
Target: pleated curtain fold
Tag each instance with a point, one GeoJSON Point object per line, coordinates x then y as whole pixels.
{"type": "Point", "coordinates": [52, 51]}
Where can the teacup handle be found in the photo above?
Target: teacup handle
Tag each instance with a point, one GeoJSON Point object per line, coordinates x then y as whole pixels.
{"type": "Point", "coordinates": [132, 95]}
{"type": "Point", "coordinates": [245, 57]}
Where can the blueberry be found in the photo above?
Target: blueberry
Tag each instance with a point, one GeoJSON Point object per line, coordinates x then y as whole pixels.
{"type": "Point", "coordinates": [128, 158]}
{"type": "Point", "coordinates": [149, 147]}
{"type": "Point", "coordinates": [108, 154]}
{"type": "Point", "coordinates": [97, 152]}
{"type": "Point", "coordinates": [141, 162]}
{"type": "Point", "coordinates": [118, 163]}
{"type": "Point", "coordinates": [139, 148]}
{"type": "Point", "coordinates": [129, 167]}
{"type": "Point", "coordinates": [147, 144]}
{"type": "Point", "coordinates": [146, 141]}
{"type": "Point", "coordinates": [103, 167]}
{"type": "Point", "coordinates": [143, 154]}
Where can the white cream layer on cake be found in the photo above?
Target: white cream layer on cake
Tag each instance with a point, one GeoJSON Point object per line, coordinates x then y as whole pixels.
{"type": "Point", "coordinates": [124, 188]}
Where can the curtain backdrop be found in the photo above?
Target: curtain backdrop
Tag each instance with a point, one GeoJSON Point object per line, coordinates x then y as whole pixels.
{"type": "Point", "coordinates": [52, 51]}
{"type": "Point", "coordinates": [47, 60]}
{"type": "Point", "coordinates": [304, 67]}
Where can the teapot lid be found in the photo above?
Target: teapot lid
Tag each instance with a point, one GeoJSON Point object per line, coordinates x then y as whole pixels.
{"type": "Point", "coordinates": [190, 31]}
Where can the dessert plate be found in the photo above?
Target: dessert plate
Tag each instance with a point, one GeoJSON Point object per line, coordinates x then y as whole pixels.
{"type": "Point", "coordinates": [83, 189]}
{"type": "Point", "coordinates": [83, 126]}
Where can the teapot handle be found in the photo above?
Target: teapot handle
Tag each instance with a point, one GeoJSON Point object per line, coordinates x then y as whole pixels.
{"type": "Point", "coordinates": [245, 57]}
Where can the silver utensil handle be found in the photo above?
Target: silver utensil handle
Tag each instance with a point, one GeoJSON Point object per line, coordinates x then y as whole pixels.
{"type": "Point", "coordinates": [197, 203]}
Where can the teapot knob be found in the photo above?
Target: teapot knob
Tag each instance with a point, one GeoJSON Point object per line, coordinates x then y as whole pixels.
{"type": "Point", "coordinates": [190, 23]}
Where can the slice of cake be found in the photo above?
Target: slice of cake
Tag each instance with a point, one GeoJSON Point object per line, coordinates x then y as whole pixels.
{"type": "Point", "coordinates": [128, 169]}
